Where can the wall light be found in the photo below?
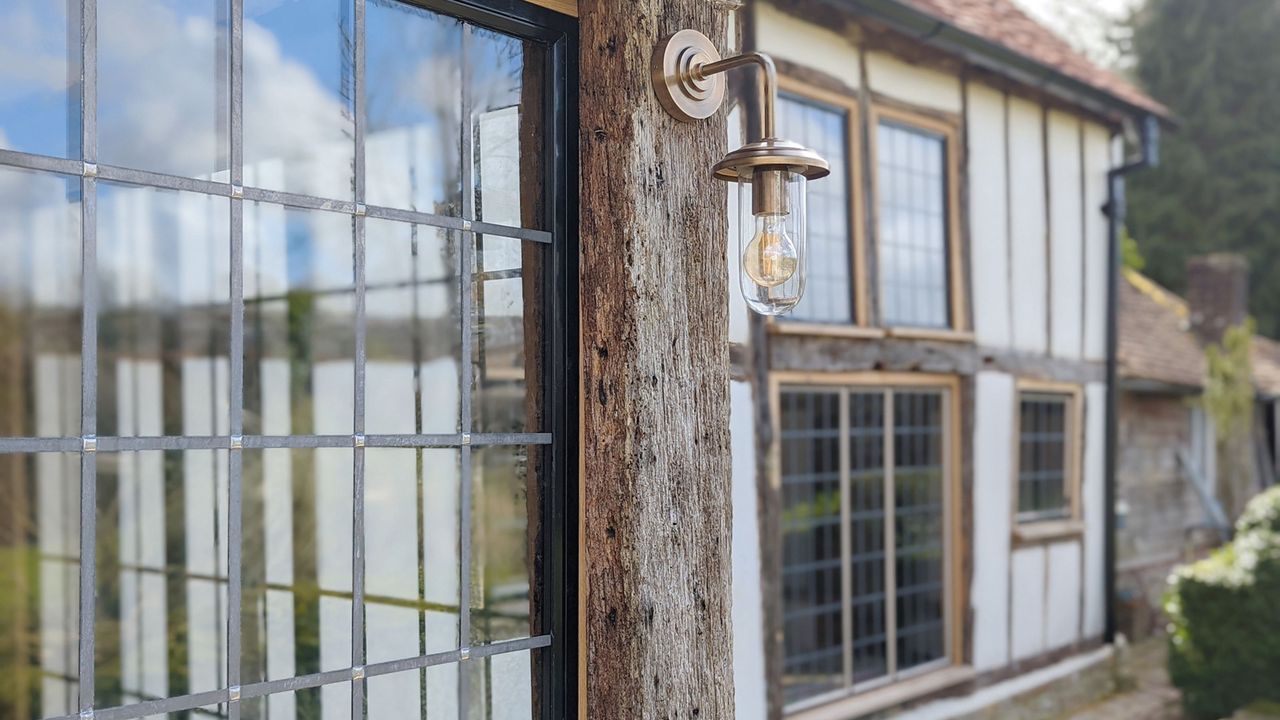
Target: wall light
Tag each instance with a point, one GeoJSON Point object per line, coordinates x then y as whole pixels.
{"type": "Point", "coordinates": [771, 173]}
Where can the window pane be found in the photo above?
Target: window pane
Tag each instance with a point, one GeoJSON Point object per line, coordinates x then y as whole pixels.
{"type": "Point", "coordinates": [413, 381]}
{"type": "Point", "coordinates": [412, 567]}
{"type": "Point", "coordinates": [867, 535]}
{"type": "Point", "coordinates": [40, 304]}
{"type": "Point", "coordinates": [163, 69]}
{"type": "Point", "coordinates": [413, 99]}
{"type": "Point", "coordinates": [297, 519]}
{"type": "Point", "coordinates": [40, 573]}
{"type": "Point", "coordinates": [508, 335]}
{"type": "Point", "coordinates": [299, 103]}
{"type": "Point", "coordinates": [505, 78]}
{"type": "Point", "coordinates": [299, 324]}
{"type": "Point", "coordinates": [828, 290]}
{"type": "Point", "coordinates": [918, 524]}
{"type": "Point", "coordinates": [811, 562]}
{"type": "Point", "coordinates": [502, 687]}
{"type": "Point", "coordinates": [427, 694]}
{"type": "Point", "coordinates": [506, 541]}
{"type": "Point", "coordinates": [328, 701]}
{"type": "Point", "coordinates": [1042, 459]}
{"type": "Point", "coordinates": [161, 576]}
{"type": "Point", "coordinates": [910, 181]}
{"type": "Point", "coordinates": [165, 284]}
{"type": "Point", "coordinates": [40, 77]}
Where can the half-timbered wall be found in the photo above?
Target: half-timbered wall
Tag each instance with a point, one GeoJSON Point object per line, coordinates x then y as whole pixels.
{"type": "Point", "coordinates": [1033, 182]}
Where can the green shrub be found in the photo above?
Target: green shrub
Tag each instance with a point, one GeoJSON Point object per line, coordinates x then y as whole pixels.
{"type": "Point", "coordinates": [1224, 611]}
{"type": "Point", "coordinates": [1262, 513]}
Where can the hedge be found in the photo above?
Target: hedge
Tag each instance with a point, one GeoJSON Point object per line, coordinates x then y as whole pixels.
{"type": "Point", "coordinates": [1224, 611]}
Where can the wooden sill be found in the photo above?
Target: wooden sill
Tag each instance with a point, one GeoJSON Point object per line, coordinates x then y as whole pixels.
{"type": "Point", "coordinates": [908, 333]}
{"type": "Point", "coordinates": [889, 696]}
{"type": "Point", "coordinates": [1043, 532]}
{"type": "Point", "coordinates": [825, 330]}
{"type": "Point", "coordinates": [565, 7]}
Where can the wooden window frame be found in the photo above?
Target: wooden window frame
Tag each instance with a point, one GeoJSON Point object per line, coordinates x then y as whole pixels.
{"type": "Point", "coordinates": [860, 295]}
{"type": "Point", "coordinates": [957, 291]}
{"type": "Point", "coordinates": [1030, 531]}
{"type": "Point", "coordinates": [879, 694]}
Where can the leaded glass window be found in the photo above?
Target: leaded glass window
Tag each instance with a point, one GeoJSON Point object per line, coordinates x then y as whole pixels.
{"type": "Point", "coordinates": [911, 215]}
{"type": "Point", "coordinates": [828, 296]}
{"type": "Point", "coordinates": [280, 359]}
{"type": "Point", "coordinates": [864, 517]}
{"type": "Point", "coordinates": [1044, 461]}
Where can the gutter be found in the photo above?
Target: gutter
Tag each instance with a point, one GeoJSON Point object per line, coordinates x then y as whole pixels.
{"type": "Point", "coordinates": [980, 52]}
{"type": "Point", "coordinates": [1148, 156]}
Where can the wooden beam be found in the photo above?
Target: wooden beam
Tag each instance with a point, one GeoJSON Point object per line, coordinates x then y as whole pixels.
{"type": "Point", "coordinates": [655, 498]}
{"type": "Point", "coordinates": [566, 7]}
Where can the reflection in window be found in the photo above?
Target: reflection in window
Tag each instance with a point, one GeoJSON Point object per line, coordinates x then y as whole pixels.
{"type": "Point", "coordinates": [834, 496]}
{"type": "Point", "coordinates": [40, 75]}
{"type": "Point", "coordinates": [164, 287]}
{"type": "Point", "coordinates": [414, 338]}
{"type": "Point", "coordinates": [299, 321]}
{"type": "Point", "coordinates": [828, 291]}
{"type": "Point", "coordinates": [508, 335]}
{"type": "Point", "coordinates": [413, 99]}
{"type": "Point", "coordinates": [911, 212]}
{"type": "Point", "coordinates": [163, 82]}
{"type": "Point", "coordinates": [1042, 458]}
{"type": "Point", "coordinates": [299, 103]}
{"type": "Point", "coordinates": [40, 302]}
{"type": "Point", "coordinates": [40, 574]}
{"type": "Point", "coordinates": [162, 572]}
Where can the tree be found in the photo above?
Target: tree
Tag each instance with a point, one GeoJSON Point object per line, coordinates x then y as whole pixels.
{"type": "Point", "coordinates": [1217, 67]}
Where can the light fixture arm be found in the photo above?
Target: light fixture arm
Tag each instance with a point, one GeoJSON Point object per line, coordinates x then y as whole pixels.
{"type": "Point", "coordinates": [768, 90]}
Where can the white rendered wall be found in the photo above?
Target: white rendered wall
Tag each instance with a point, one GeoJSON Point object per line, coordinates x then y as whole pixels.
{"type": "Point", "coordinates": [1026, 617]}
{"type": "Point", "coordinates": [1062, 601]}
{"type": "Point", "coordinates": [739, 329]}
{"type": "Point", "coordinates": [1027, 237]}
{"type": "Point", "coordinates": [1066, 236]}
{"type": "Point", "coordinates": [992, 490]}
{"type": "Point", "coordinates": [1097, 141]}
{"type": "Point", "coordinates": [915, 84]}
{"type": "Point", "coordinates": [748, 613]}
{"type": "Point", "coordinates": [787, 37]}
{"type": "Point", "coordinates": [988, 219]}
{"type": "Point", "coordinates": [1093, 507]}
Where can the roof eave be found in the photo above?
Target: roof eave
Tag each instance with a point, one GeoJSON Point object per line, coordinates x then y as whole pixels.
{"type": "Point", "coordinates": [984, 53]}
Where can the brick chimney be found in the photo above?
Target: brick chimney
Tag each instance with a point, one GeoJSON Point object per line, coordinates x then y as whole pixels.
{"type": "Point", "coordinates": [1217, 294]}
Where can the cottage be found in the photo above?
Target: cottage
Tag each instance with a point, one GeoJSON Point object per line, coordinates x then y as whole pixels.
{"type": "Point", "coordinates": [1173, 502]}
{"type": "Point", "coordinates": [919, 479]}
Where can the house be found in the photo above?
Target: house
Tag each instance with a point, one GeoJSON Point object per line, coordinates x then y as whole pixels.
{"type": "Point", "coordinates": [372, 359]}
{"type": "Point", "coordinates": [1172, 505]}
{"type": "Point", "coordinates": [919, 476]}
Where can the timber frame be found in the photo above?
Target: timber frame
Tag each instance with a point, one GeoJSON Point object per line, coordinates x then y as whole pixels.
{"type": "Point", "coordinates": [951, 669]}
{"type": "Point", "coordinates": [1027, 532]}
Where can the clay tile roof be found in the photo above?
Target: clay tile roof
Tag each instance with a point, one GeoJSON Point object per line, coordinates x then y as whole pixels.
{"type": "Point", "coordinates": [1155, 341]}
{"type": "Point", "coordinates": [1002, 23]}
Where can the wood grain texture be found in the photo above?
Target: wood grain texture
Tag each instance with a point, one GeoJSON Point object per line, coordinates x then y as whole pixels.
{"type": "Point", "coordinates": [655, 370]}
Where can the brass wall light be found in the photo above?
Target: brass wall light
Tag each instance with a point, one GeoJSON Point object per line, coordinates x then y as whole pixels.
{"type": "Point", "coordinates": [771, 173]}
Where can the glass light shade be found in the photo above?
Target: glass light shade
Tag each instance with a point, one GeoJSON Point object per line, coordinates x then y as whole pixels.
{"type": "Point", "coordinates": [771, 239]}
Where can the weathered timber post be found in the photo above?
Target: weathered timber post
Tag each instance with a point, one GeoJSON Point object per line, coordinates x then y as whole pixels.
{"type": "Point", "coordinates": [655, 494]}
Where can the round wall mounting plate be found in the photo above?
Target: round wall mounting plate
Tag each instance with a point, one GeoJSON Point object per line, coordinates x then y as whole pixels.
{"type": "Point", "coordinates": [685, 97]}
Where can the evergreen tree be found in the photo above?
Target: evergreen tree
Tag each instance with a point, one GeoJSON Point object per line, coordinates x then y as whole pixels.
{"type": "Point", "coordinates": [1217, 66]}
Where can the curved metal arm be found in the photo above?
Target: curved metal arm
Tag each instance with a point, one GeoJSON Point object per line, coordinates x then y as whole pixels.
{"type": "Point", "coordinates": [768, 90]}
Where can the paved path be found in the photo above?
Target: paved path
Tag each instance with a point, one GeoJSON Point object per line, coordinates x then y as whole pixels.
{"type": "Point", "coordinates": [1151, 698]}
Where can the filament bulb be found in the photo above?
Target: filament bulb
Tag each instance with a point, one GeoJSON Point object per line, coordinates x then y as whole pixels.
{"type": "Point", "coordinates": [770, 258]}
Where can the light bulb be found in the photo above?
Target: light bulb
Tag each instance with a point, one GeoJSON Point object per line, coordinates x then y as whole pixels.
{"type": "Point", "coordinates": [770, 258]}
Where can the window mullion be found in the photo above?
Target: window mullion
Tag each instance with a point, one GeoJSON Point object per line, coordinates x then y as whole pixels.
{"type": "Point", "coordinates": [890, 550]}
{"type": "Point", "coordinates": [846, 543]}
